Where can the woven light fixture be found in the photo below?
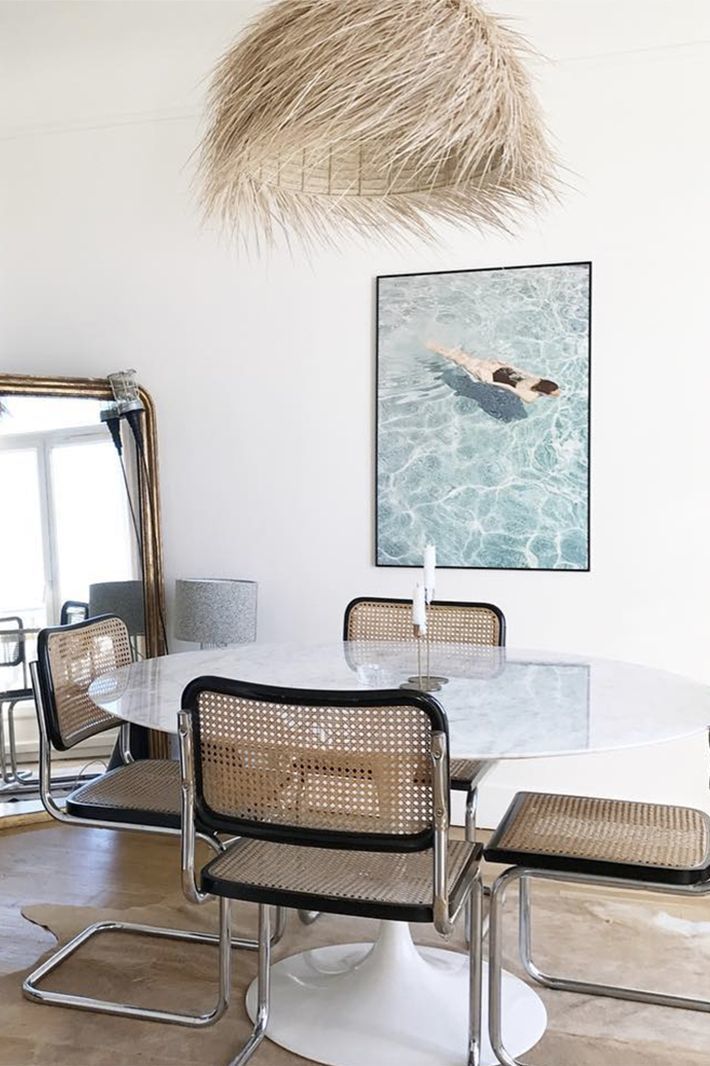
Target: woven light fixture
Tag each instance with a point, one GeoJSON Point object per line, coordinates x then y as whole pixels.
{"type": "Point", "coordinates": [369, 114]}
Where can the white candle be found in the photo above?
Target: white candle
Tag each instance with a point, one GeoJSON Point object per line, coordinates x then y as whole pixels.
{"type": "Point", "coordinates": [430, 571]}
{"type": "Point", "coordinates": [419, 608]}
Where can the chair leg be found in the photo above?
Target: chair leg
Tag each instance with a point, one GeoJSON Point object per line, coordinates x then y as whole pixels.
{"type": "Point", "coordinates": [587, 988]}
{"type": "Point", "coordinates": [5, 777]}
{"type": "Point", "coordinates": [475, 962]}
{"type": "Point", "coordinates": [485, 892]}
{"type": "Point", "coordinates": [279, 928]}
{"type": "Point", "coordinates": [495, 969]}
{"type": "Point", "coordinates": [470, 818]}
{"type": "Point", "coordinates": [19, 775]}
{"type": "Point", "coordinates": [263, 990]}
{"type": "Point", "coordinates": [62, 999]}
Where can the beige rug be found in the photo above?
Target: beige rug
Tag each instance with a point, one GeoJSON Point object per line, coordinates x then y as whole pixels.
{"type": "Point", "coordinates": [667, 949]}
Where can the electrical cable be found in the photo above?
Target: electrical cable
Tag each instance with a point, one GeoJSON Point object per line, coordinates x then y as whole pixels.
{"type": "Point", "coordinates": [112, 419]}
{"type": "Point", "coordinates": [128, 405]}
{"type": "Point", "coordinates": [134, 421]}
{"type": "Point", "coordinates": [113, 424]}
{"type": "Point", "coordinates": [134, 520]}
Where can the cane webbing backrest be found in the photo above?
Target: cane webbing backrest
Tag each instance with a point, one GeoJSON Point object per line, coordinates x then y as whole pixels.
{"type": "Point", "coordinates": [451, 623]}
{"type": "Point", "coordinates": [315, 770]}
{"type": "Point", "coordinates": [70, 658]}
{"type": "Point", "coordinates": [12, 642]}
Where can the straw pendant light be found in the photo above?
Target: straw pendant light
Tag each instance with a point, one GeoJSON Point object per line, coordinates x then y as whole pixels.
{"type": "Point", "coordinates": [372, 116]}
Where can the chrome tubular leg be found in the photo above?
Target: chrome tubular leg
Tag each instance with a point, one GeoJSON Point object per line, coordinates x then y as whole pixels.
{"type": "Point", "coordinates": [263, 990]}
{"type": "Point", "coordinates": [485, 891]}
{"type": "Point", "coordinates": [588, 988]}
{"type": "Point", "coordinates": [280, 926]}
{"type": "Point", "coordinates": [475, 962]}
{"type": "Point", "coordinates": [61, 999]}
{"type": "Point", "coordinates": [525, 928]}
{"type": "Point", "coordinates": [19, 775]}
{"type": "Point", "coordinates": [495, 969]}
{"type": "Point", "coordinates": [308, 917]}
{"type": "Point", "coordinates": [225, 955]}
{"type": "Point", "coordinates": [470, 819]}
{"type": "Point", "coordinates": [5, 777]}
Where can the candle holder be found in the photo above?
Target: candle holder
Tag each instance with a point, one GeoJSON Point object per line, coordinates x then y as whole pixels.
{"type": "Point", "coordinates": [424, 680]}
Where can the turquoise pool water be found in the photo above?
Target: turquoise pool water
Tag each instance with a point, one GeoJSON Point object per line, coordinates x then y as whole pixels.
{"type": "Point", "coordinates": [491, 480]}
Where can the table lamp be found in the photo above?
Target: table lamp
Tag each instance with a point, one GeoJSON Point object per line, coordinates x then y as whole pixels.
{"type": "Point", "coordinates": [215, 611]}
{"type": "Point", "coordinates": [122, 598]}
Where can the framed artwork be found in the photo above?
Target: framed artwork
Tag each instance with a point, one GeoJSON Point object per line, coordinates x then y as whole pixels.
{"type": "Point", "coordinates": [483, 416]}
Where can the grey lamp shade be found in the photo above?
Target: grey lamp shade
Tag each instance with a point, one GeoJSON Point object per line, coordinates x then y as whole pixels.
{"type": "Point", "coordinates": [122, 598]}
{"type": "Point", "coordinates": [215, 611]}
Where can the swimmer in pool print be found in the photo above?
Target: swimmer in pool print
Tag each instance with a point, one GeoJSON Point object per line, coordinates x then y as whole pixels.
{"type": "Point", "coordinates": [527, 386]}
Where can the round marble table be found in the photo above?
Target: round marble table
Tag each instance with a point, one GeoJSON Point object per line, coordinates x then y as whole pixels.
{"type": "Point", "coordinates": [391, 1002]}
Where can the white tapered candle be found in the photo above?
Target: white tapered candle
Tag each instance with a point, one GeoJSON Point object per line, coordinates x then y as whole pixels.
{"type": "Point", "coordinates": [430, 571]}
{"type": "Point", "coordinates": [419, 608]}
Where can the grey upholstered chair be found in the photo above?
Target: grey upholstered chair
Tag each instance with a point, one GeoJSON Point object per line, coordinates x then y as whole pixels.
{"type": "Point", "coordinates": [142, 796]}
{"type": "Point", "coordinates": [480, 624]}
{"type": "Point", "coordinates": [602, 843]}
{"type": "Point", "coordinates": [324, 791]}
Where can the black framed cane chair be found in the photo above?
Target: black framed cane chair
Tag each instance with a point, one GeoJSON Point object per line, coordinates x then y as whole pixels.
{"type": "Point", "coordinates": [324, 789]}
{"type": "Point", "coordinates": [141, 796]}
{"type": "Point", "coordinates": [73, 611]}
{"type": "Point", "coordinates": [601, 843]}
{"type": "Point", "coordinates": [481, 624]}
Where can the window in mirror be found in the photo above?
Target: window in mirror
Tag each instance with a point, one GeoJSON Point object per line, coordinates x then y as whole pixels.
{"type": "Point", "coordinates": [93, 535]}
{"type": "Point", "coordinates": [66, 522]}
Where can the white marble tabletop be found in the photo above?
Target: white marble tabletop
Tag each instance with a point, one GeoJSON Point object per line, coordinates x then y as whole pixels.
{"type": "Point", "coordinates": [500, 702]}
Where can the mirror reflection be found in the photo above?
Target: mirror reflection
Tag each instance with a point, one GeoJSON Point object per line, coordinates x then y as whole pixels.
{"type": "Point", "coordinates": [69, 549]}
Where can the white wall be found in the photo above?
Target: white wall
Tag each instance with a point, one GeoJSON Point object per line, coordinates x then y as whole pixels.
{"type": "Point", "coordinates": [263, 371]}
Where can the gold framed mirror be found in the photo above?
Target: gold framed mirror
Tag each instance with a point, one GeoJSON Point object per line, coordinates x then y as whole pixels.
{"type": "Point", "coordinates": [79, 525]}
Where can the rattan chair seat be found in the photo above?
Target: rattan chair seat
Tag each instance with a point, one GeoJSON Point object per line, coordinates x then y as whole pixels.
{"type": "Point", "coordinates": [146, 792]}
{"type": "Point", "coordinates": [468, 773]}
{"type": "Point", "coordinates": [617, 838]}
{"type": "Point", "coordinates": [388, 885]}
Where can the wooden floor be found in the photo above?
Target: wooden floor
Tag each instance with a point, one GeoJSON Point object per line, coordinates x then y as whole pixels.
{"type": "Point", "coordinates": [65, 877]}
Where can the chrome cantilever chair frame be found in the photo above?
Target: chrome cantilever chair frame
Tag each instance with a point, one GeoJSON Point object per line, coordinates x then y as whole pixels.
{"type": "Point", "coordinates": [444, 917]}
{"type": "Point", "coordinates": [12, 779]}
{"type": "Point", "coordinates": [524, 876]}
{"type": "Point", "coordinates": [222, 939]}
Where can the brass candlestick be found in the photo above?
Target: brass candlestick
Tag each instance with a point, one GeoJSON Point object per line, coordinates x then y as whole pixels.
{"type": "Point", "coordinates": [434, 679]}
{"type": "Point", "coordinates": [424, 682]}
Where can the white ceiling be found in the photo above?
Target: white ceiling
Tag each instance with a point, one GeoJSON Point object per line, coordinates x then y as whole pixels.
{"type": "Point", "coordinates": [73, 62]}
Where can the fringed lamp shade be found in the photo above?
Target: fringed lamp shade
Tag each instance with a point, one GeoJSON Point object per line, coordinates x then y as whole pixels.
{"type": "Point", "coordinates": [364, 114]}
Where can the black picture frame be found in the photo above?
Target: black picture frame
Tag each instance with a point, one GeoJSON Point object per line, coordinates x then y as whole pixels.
{"type": "Point", "coordinates": [587, 263]}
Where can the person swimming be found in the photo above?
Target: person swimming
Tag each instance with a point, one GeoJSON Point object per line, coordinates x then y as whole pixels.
{"type": "Point", "coordinates": [493, 372]}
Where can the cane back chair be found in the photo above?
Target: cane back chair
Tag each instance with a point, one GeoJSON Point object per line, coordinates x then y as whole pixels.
{"type": "Point", "coordinates": [480, 624]}
{"type": "Point", "coordinates": [141, 795]}
{"type": "Point", "coordinates": [340, 801]}
{"type": "Point", "coordinates": [73, 611]}
{"type": "Point", "coordinates": [13, 662]}
{"type": "Point", "coordinates": [596, 842]}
